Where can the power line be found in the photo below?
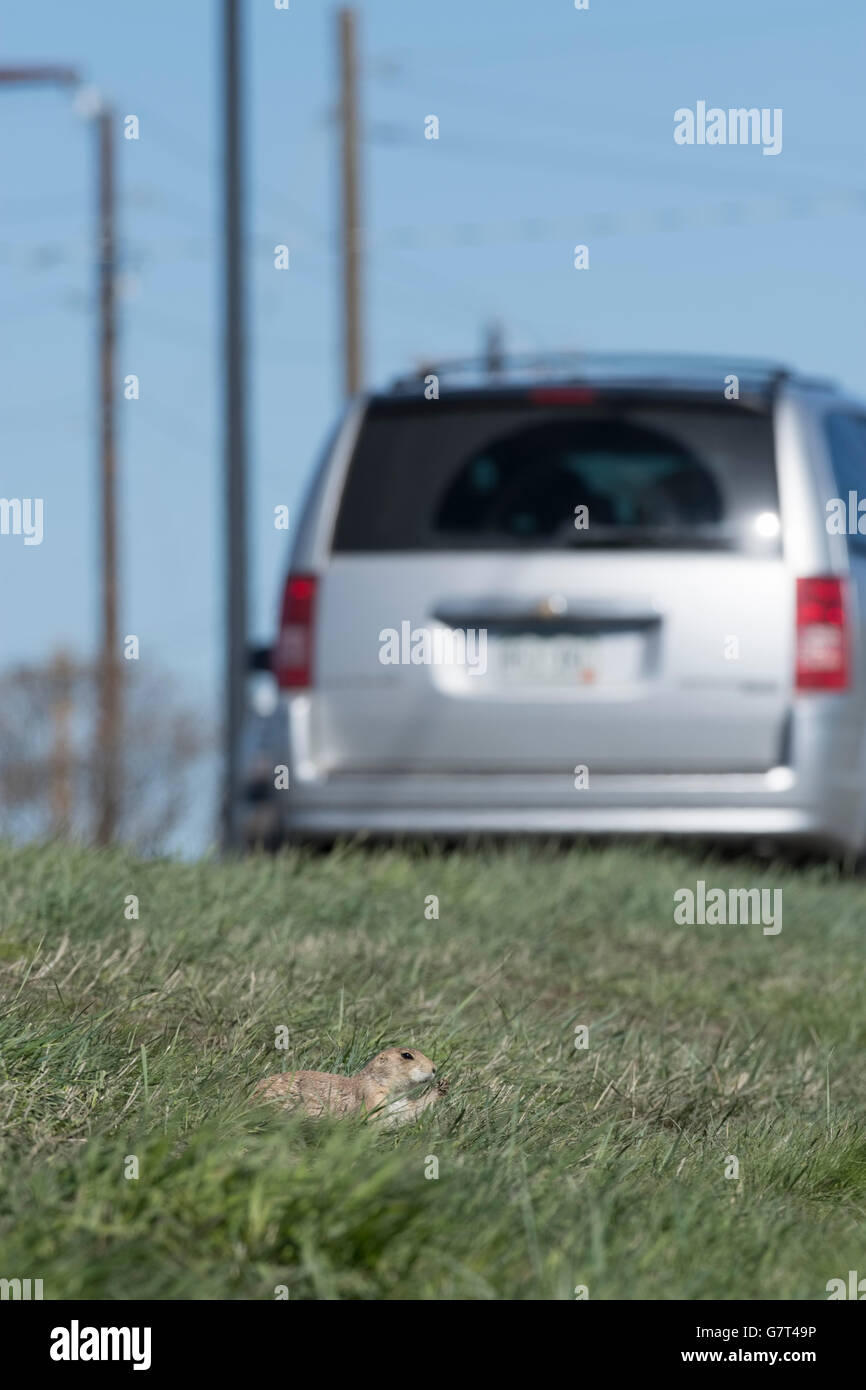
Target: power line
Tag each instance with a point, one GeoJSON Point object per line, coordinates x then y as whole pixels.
{"type": "Point", "coordinates": [637, 222]}
{"type": "Point", "coordinates": [191, 153]}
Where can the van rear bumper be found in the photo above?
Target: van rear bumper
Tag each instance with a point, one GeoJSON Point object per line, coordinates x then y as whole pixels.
{"type": "Point", "coordinates": [815, 797]}
{"type": "Point", "coordinates": [768, 804]}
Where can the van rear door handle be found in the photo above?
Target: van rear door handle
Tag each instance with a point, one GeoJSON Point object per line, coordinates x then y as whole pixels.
{"type": "Point", "coordinates": [498, 611]}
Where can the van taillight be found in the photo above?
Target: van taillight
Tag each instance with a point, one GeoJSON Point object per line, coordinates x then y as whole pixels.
{"type": "Point", "coordinates": [293, 654]}
{"type": "Point", "coordinates": [822, 635]}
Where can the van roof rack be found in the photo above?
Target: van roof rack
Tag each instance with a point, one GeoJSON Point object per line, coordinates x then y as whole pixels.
{"type": "Point", "coordinates": [696, 371]}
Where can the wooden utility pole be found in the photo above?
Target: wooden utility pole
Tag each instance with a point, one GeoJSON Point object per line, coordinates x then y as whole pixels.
{"type": "Point", "coordinates": [61, 676]}
{"type": "Point", "coordinates": [234, 357]}
{"type": "Point", "coordinates": [108, 736]}
{"type": "Point", "coordinates": [353, 374]}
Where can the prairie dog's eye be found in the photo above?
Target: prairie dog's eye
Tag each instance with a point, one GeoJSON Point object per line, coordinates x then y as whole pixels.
{"type": "Point", "coordinates": [408, 1056]}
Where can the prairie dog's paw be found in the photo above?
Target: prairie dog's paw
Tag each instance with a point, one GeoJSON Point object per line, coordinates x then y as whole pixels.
{"type": "Point", "coordinates": [442, 1086]}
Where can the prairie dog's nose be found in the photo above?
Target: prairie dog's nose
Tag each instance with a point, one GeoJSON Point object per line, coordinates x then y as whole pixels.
{"type": "Point", "coordinates": [434, 1071]}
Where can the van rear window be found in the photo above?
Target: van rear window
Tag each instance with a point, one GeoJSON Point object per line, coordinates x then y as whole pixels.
{"type": "Point", "coordinates": [437, 475]}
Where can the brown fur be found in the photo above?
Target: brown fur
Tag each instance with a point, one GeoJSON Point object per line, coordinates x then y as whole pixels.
{"type": "Point", "coordinates": [380, 1089]}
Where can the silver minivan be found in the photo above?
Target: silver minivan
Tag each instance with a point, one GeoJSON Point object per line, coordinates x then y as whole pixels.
{"type": "Point", "coordinates": [582, 594]}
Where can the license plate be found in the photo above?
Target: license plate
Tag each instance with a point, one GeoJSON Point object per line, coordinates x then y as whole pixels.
{"type": "Point", "coordinates": [566, 660]}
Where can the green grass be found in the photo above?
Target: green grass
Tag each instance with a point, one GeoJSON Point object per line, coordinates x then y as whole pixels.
{"type": "Point", "coordinates": [557, 1167]}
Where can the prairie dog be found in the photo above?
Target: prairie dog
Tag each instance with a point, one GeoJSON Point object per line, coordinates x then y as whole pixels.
{"type": "Point", "coordinates": [381, 1086]}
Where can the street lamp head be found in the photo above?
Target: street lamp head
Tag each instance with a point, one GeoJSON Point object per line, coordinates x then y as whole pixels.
{"type": "Point", "coordinates": [87, 101]}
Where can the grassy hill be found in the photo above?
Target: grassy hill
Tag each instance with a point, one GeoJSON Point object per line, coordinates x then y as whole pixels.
{"type": "Point", "coordinates": [132, 1045]}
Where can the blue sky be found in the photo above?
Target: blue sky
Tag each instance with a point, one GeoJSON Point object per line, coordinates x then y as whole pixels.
{"type": "Point", "coordinates": [556, 127]}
